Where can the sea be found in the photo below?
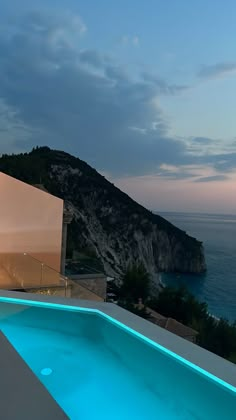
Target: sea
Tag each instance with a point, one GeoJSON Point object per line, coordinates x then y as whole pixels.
{"type": "Point", "coordinates": [217, 287]}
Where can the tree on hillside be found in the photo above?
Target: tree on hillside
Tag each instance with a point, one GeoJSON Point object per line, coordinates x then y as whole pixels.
{"type": "Point", "coordinates": [218, 336]}
{"type": "Point", "coordinates": [135, 284]}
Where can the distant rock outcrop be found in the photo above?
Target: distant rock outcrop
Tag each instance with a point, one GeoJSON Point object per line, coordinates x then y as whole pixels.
{"type": "Point", "coordinates": [106, 220]}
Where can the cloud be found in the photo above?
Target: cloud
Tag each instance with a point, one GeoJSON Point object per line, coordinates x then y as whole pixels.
{"type": "Point", "coordinates": [162, 86]}
{"type": "Point", "coordinates": [213, 178]}
{"type": "Point", "coordinates": [55, 24]}
{"type": "Point", "coordinates": [172, 172]}
{"type": "Point", "coordinates": [218, 70]}
{"type": "Point", "coordinates": [44, 75]}
{"type": "Point", "coordinates": [92, 58]}
{"type": "Point", "coordinates": [130, 40]}
{"type": "Point", "coordinates": [14, 134]}
{"type": "Point", "coordinates": [202, 140]}
{"type": "Point", "coordinates": [224, 162]}
{"type": "Point", "coordinates": [135, 40]}
{"type": "Point", "coordinates": [214, 153]}
{"type": "Point", "coordinates": [57, 92]}
{"type": "Point", "coordinates": [116, 73]}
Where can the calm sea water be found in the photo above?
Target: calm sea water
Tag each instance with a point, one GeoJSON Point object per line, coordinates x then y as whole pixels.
{"type": "Point", "coordinates": [218, 286]}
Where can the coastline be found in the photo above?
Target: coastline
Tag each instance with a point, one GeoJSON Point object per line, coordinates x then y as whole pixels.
{"type": "Point", "coordinates": [162, 285]}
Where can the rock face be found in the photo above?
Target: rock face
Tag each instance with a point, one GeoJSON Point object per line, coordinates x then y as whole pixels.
{"type": "Point", "coordinates": [106, 220]}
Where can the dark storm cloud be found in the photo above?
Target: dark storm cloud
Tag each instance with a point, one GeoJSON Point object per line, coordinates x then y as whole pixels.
{"type": "Point", "coordinates": [102, 116]}
{"type": "Point", "coordinates": [81, 101]}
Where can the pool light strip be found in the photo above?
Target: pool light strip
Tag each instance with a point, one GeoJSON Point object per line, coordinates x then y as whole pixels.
{"type": "Point", "coordinates": [124, 327]}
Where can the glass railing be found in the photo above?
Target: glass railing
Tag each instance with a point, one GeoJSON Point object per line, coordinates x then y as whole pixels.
{"type": "Point", "coordinates": [22, 271]}
{"type": "Point", "coordinates": [80, 291]}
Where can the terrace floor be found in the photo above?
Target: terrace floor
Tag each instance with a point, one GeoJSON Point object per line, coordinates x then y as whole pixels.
{"type": "Point", "coordinates": [23, 396]}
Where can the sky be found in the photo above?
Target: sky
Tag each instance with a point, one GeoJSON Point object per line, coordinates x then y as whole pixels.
{"type": "Point", "coordinates": [144, 91]}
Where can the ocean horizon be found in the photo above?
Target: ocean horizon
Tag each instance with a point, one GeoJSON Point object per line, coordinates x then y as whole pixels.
{"type": "Point", "coordinates": [216, 287]}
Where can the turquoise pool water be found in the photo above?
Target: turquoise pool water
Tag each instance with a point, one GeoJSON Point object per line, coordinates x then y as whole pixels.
{"type": "Point", "coordinates": [95, 369]}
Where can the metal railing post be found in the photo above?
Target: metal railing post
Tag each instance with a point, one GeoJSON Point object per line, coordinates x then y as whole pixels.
{"type": "Point", "coordinates": [66, 285]}
{"type": "Point", "coordinates": [41, 280]}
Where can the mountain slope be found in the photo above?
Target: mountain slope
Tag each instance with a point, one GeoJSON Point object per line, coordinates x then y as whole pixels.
{"type": "Point", "coordinates": [106, 220]}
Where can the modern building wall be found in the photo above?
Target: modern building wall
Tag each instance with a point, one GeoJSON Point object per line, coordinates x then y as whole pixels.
{"type": "Point", "coordinates": [30, 222]}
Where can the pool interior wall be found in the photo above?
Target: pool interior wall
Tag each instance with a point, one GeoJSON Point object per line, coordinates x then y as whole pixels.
{"type": "Point", "coordinates": [80, 341]}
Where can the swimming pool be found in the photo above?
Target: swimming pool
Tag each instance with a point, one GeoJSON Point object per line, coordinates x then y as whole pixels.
{"type": "Point", "coordinates": [97, 368]}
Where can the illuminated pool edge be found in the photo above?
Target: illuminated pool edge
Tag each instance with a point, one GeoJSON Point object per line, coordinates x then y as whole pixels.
{"type": "Point", "coordinates": [114, 321]}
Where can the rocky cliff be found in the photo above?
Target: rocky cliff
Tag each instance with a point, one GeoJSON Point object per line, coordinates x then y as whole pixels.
{"type": "Point", "coordinates": [106, 220]}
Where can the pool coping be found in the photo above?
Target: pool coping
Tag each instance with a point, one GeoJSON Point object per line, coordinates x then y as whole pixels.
{"type": "Point", "coordinates": [23, 396]}
{"type": "Point", "coordinates": [214, 367]}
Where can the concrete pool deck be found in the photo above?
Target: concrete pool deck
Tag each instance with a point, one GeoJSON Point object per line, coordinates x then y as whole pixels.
{"type": "Point", "coordinates": [23, 397]}
{"type": "Point", "coordinates": [204, 360]}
